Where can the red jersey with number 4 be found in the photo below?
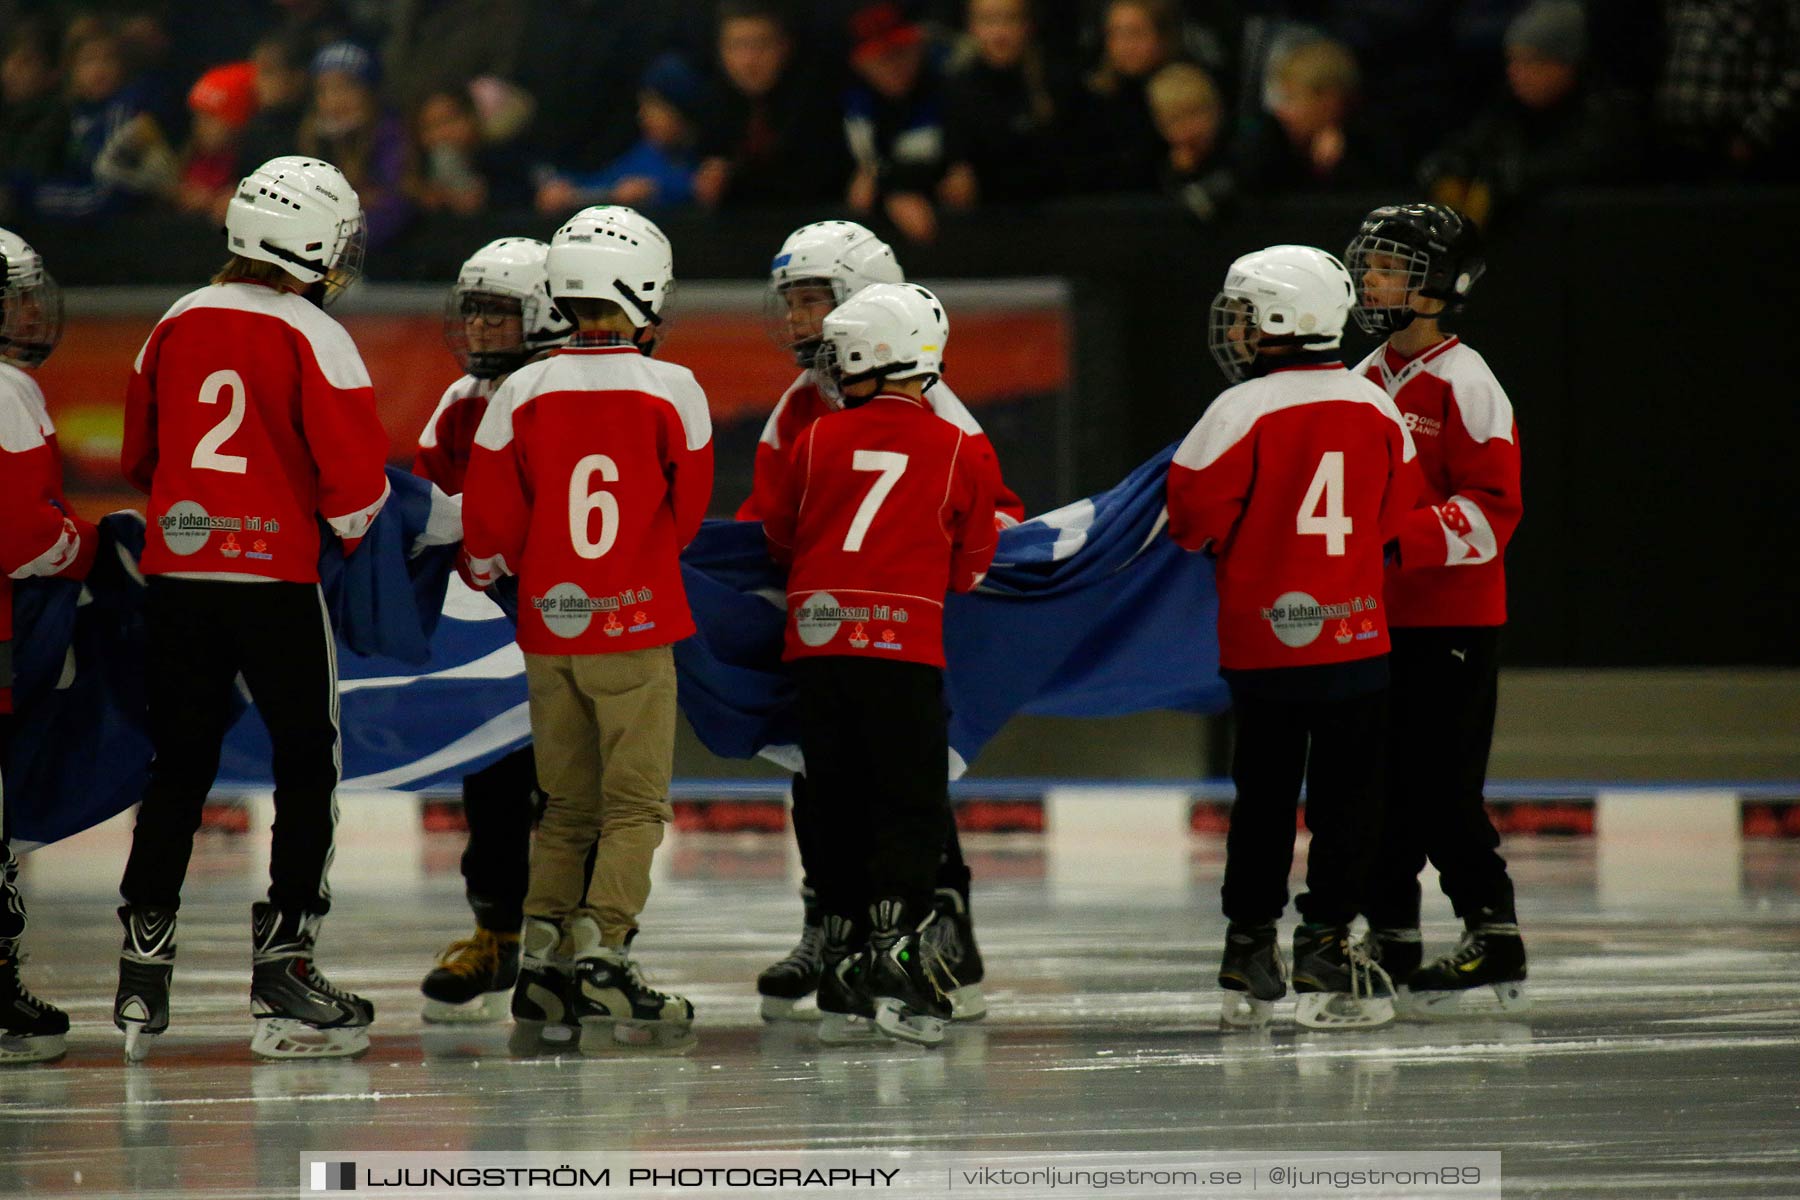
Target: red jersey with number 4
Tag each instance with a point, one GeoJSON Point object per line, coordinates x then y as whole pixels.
{"type": "Point", "coordinates": [885, 511]}
{"type": "Point", "coordinates": [1295, 480]}
{"type": "Point", "coordinates": [250, 415]}
{"type": "Point", "coordinates": [1452, 568]}
{"type": "Point", "coordinates": [591, 470]}
{"type": "Point", "coordinates": [40, 535]}
{"type": "Point", "coordinates": [803, 403]}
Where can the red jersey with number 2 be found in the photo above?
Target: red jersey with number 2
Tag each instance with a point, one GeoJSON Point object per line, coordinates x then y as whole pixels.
{"type": "Point", "coordinates": [1295, 481]}
{"type": "Point", "coordinates": [885, 511]}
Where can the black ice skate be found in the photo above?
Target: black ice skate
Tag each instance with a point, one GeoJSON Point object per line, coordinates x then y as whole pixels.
{"type": "Point", "coordinates": [1490, 955]}
{"type": "Point", "coordinates": [906, 981]}
{"type": "Point", "coordinates": [1399, 951]}
{"type": "Point", "coordinates": [1339, 985]}
{"type": "Point", "coordinates": [30, 1029]}
{"type": "Point", "coordinates": [299, 1013]}
{"type": "Point", "coordinates": [474, 979]}
{"type": "Point", "coordinates": [848, 1015]}
{"type": "Point", "coordinates": [543, 995]}
{"type": "Point", "coordinates": [1253, 975]}
{"type": "Point", "coordinates": [146, 961]}
{"type": "Point", "coordinates": [785, 983]}
{"type": "Point", "coordinates": [953, 937]}
{"type": "Point", "coordinates": [614, 1003]}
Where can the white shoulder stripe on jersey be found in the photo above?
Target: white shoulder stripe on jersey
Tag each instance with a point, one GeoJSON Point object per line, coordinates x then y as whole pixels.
{"type": "Point", "coordinates": [948, 405]}
{"type": "Point", "coordinates": [24, 421]}
{"type": "Point", "coordinates": [1237, 410]}
{"type": "Point", "coordinates": [332, 348]}
{"type": "Point", "coordinates": [1480, 400]}
{"type": "Point", "coordinates": [466, 388]}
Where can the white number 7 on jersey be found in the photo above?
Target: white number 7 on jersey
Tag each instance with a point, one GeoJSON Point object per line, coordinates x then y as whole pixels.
{"type": "Point", "coordinates": [892, 465]}
{"type": "Point", "coordinates": [1328, 486]}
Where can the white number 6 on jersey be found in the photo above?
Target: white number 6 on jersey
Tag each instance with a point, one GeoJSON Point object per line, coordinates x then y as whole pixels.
{"type": "Point", "coordinates": [1328, 486]}
{"type": "Point", "coordinates": [582, 503]}
{"type": "Point", "coordinates": [206, 453]}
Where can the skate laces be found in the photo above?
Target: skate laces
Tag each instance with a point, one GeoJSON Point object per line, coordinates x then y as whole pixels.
{"type": "Point", "coordinates": [309, 974]}
{"type": "Point", "coordinates": [472, 957]}
{"type": "Point", "coordinates": [1365, 971]}
{"type": "Point", "coordinates": [810, 949]}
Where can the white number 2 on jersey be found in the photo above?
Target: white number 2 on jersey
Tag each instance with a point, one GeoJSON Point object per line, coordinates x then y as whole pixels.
{"type": "Point", "coordinates": [206, 453]}
{"type": "Point", "coordinates": [582, 503]}
{"type": "Point", "coordinates": [892, 465]}
{"type": "Point", "coordinates": [1326, 491]}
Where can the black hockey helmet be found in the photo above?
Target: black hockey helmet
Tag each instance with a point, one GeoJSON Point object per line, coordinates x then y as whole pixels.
{"type": "Point", "coordinates": [1439, 247]}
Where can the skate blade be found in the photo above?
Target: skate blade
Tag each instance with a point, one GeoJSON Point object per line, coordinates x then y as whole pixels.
{"type": "Point", "coordinates": [530, 1038]}
{"type": "Point", "coordinates": [967, 1003]}
{"type": "Point", "coordinates": [489, 1006]}
{"type": "Point", "coordinates": [780, 1008]}
{"type": "Point", "coordinates": [19, 1050]}
{"type": "Point", "coordinates": [847, 1029]}
{"type": "Point", "coordinates": [1509, 998]}
{"type": "Point", "coordinates": [137, 1042]}
{"type": "Point", "coordinates": [903, 1025]}
{"type": "Point", "coordinates": [1340, 1010]}
{"type": "Point", "coordinates": [1240, 1010]}
{"type": "Point", "coordinates": [601, 1036]}
{"type": "Point", "coordinates": [284, 1039]}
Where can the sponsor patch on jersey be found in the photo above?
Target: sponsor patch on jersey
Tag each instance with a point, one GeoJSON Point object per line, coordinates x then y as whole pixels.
{"type": "Point", "coordinates": [1423, 426]}
{"type": "Point", "coordinates": [1297, 619]}
{"type": "Point", "coordinates": [888, 641]}
{"type": "Point", "coordinates": [567, 610]}
{"type": "Point", "coordinates": [820, 616]}
{"type": "Point", "coordinates": [186, 527]}
{"type": "Point", "coordinates": [230, 547]}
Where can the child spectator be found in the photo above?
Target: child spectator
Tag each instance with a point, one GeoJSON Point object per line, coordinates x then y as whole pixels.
{"type": "Point", "coordinates": [221, 101]}
{"type": "Point", "coordinates": [1118, 148]}
{"type": "Point", "coordinates": [1190, 116]}
{"type": "Point", "coordinates": [109, 136]}
{"type": "Point", "coordinates": [893, 120]}
{"type": "Point", "coordinates": [348, 126]}
{"type": "Point", "coordinates": [1551, 127]}
{"type": "Point", "coordinates": [466, 168]}
{"type": "Point", "coordinates": [1310, 139]}
{"type": "Point", "coordinates": [658, 172]}
{"type": "Point", "coordinates": [1005, 105]}
{"type": "Point", "coordinates": [282, 89]}
{"type": "Point", "coordinates": [769, 136]}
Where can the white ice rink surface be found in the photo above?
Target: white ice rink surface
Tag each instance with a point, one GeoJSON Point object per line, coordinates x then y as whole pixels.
{"type": "Point", "coordinates": [1662, 1059]}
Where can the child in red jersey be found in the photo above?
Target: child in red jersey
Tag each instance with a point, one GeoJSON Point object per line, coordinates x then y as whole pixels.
{"type": "Point", "coordinates": [1446, 600]}
{"type": "Point", "coordinates": [40, 536]}
{"type": "Point", "coordinates": [1293, 479]}
{"type": "Point", "coordinates": [592, 468]}
{"type": "Point", "coordinates": [498, 318]}
{"type": "Point", "coordinates": [885, 511]}
{"type": "Point", "coordinates": [249, 417]}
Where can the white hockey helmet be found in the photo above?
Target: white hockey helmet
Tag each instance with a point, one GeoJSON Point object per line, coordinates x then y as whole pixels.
{"type": "Point", "coordinates": [610, 252]}
{"type": "Point", "coordinates": [841, 256]}
{"type": "Point", "coordinates": [505, 280]}
{"type": "Point", "coordinates": [31, 307]}
{"type": "Point", "coordinates": [302, 215]}
{"type": "Point", "coordinates": [1286, 295]}
{"type": "Point", "coordinates": [886, 331]}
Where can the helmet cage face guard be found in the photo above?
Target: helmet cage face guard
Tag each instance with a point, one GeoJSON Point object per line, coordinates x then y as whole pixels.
{"type": "Point", "coordinates": [31, 319]}
{"type": "Point", "coordinates": [776, 307]}
{"type": "Point", "coordinates": [828, 368]}
{"type": "Point", "coordinates": [346, 266]}
{"type": "Point", "coordinates": [1408, 259]}
{"type": "Point", "coordinates": [1235, 356]}
{"type": "Point", "coordinates": [473, 306]}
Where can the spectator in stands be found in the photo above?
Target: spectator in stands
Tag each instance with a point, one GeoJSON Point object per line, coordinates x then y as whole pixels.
{"type": "Point", "coordinates": [283, 86]}
{"type": "Point", "coordinates": [109, 133]}
{"type": "Point", "coordinates": [348, 128]}
{"type": "Point", "coordinates": [1190, 116]}
{"type": "Point", "coordinates": [34, 122]}
{"type": "Point", "coordinates": [770, 137]}
{"type": "Point", "coordinates": [658, 172]}
{"type": "Point", "coordinates": [1550, 127]}
{"type": "Point", "coordinates": [1728, 102]}
{"type": "Point", "coordinates": [894, 119]}
{"type": "Point", "coordinates": [1117, 148]}
{"type": "Point", "coordinates": [1006, 105]}
{"type": "Point", "coordinates": [221, 103]}
{"type": "Point", "coordinates": [1312, 137]}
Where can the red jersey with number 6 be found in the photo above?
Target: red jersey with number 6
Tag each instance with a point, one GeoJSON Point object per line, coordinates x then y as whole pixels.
{"type": "Point", "coordinates": [1295, 480]}
{"type": "Point", "coordinates": [250, 415]}
{"type": "Point", "coordinates": [1452, 568]}
{"type": "Point", "coordinates": [885, 511]}
{"type": "Point", "coordinates": [592, 468]}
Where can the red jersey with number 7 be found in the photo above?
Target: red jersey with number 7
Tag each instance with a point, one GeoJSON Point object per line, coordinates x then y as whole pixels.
{"type": "Point", "coordinates": [885, 511]}
{"type": "Point", "coordinates": [248, 417]}
{"type": "Point", "coordinates": [592, 468]}
{"type": "Point", "coordinates": [1295, 481]}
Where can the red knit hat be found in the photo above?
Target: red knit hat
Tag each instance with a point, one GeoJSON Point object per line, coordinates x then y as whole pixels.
{"type": "Point", "coordinates": [878, 28]}
{"type": "Point", "coordinates": [227, 92]}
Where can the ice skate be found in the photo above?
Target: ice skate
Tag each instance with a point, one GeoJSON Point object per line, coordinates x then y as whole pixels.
{"type": "Point", "coordinates": [299, 1013]}
{"type": "Point", "coordinates": [1490, 955]}
{"type": "Point", "coordinates": [1399, 951]}
{"type": "Point", "coordinates": [847, 1017]}
{"type": "Point", "coordinates": [31, 1030]}
{"type": "Point", "coordinates": [146, 962]}
{"type": "Point", "coordinates": [1252, 974]}
{"type": "Point", "coordinates": [541, 999]}
{"type": "Point", "coordinates": [473, 980]}
{"type": "Point", "coordinates": [954, 940]}
{"type": "Point", "coordinates": [906, 981]}
{"type": "Point", "coordinates": [784, 984]}
{"type": "Point", "coordinates": [614, 1003]}
{"type": "Point", "coordinates": [1339, 985]}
